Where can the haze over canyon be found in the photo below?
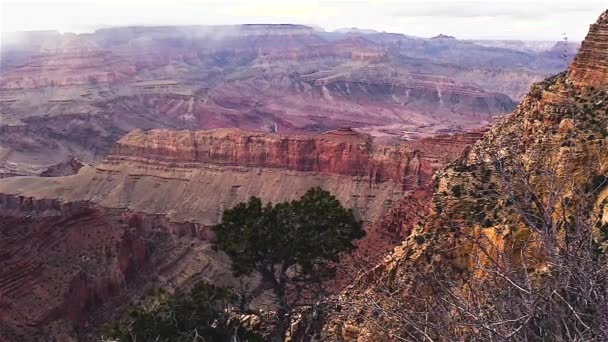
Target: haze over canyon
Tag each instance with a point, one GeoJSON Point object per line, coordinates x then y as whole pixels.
{"type": "Point", "coordinates": [67, 95]}
{"type": "Point", "coordinates": [121, 149]}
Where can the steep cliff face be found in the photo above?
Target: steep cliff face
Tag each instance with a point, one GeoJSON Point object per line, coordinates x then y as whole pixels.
{"type": "Point", "coordinates": [77, 249]}
{"type": "Point", "coordinates": [230, 165]}
{"type": "Point", "coordinates": [342, 152]}
{"type": "Point", "coordinates": [539, 171]}
{"type": "Point", "coordinates": [590, 68]}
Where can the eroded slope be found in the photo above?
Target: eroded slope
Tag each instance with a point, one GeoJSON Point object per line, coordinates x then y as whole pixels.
{"type": "Point", "coordinates": [79, 248]}
{"type": "Point", "coordinates": [536, 172]}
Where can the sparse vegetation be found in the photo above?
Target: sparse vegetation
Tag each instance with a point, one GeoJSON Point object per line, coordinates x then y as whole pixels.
{"type": "Point", "coordinates": [457, 190]}
{"type": "Point", "coordinates": [597, 183]}
{"type": "Point", "coordinates": [293, 245]}
{"type": "Point", "coordinates": [203, 314]}
{"type": "Point", "coordinates": [538, 270]}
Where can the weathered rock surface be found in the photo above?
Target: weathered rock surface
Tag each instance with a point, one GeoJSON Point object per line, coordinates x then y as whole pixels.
{"type": "Point", "coordinates": [76, 61]}
{"type": "Point", "coordinates": [590, 67]}
{"type": "Point", "coordinates": [55, 86]}
{"type": "Point", "coordinates": [228, 166]}
{"type": "Point", "coordinates": [341, 152]}
{"type": "Point", "coordinates": [559, 126]}
{"type": "Point", "coordinates": [77, 249]}
{"type": "Point", "coordinates": [66, 168]}
{"type": "Point", "coordinates": [64, 266]}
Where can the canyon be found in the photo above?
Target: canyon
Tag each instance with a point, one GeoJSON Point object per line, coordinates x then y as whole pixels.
{"type": "Point", "coordinates": [78, 248]}
{"type": "Point", "coordinates": [120, 149]}
{"type": "Point", "coordinates": [498, 212]}
{"type": "Point", "coordinates": [70, 95]}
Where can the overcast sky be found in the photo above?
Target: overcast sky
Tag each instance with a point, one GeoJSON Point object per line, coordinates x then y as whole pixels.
{"type": "Point", "coordinates": [512, 19]}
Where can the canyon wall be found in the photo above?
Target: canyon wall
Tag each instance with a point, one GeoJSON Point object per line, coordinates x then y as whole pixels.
{"type": "Point", "coordinates": [55, 87]}
{"type": "Point", "coordinates": [192, 176]}
{"type": "Point", "coordinates": [77, 249]}
{"type": "Point", "coordinates": [495, 209]}
{"type": "Point", "coordinates": [590, 67]}
{"type": "Point", "coordinates": [66, 267]}
{"type": "Point", "coordinates": [341, 152]}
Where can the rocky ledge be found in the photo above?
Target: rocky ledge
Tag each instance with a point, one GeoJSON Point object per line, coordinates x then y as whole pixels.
{"type": "Point", "coordinates": [341, 152]}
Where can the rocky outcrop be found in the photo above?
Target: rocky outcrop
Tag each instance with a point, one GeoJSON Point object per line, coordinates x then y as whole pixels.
{"type": "Point", "coordinates": [66, 168]}
{"type": "Point", "coordinates": [65, 266]}
{"type": "Point", "coordinates": [232, 165]}
{"type": "Point", "coordinates": [77, 249]}
{"type": "Point", "coordinates": [485, 206]}
{"type": "Point", "coordinates": [342, 152]}
{"type": "Point", "coordinates": [590, 68]}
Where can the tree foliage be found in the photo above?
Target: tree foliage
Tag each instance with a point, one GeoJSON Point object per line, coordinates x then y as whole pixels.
{"type": "Point", "coordinates": [201, 315]}
{"type": "Point", "coordinates": [293, 245]}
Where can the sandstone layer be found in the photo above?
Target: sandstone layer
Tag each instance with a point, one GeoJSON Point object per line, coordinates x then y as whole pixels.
{"type": "Point", "coordinates": [191, 176]}
{"type": "Point", "coordinates": [79, 248]}
{"type": "Point", "coordinates": [590, 68]}
{"type": "Point", "coordinates": [342, 152]}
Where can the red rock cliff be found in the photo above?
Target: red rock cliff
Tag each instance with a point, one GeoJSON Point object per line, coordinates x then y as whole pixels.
{"type": "Point", "coordinates": [74, 250]}
{"type": "Point", "coordinates": [590, 67]}
{"type": "Point", "coordinates": [343, 152]}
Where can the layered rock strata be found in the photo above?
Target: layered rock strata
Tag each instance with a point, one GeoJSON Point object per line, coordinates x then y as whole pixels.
{"type": "Point", "coordinates": [82, 246]}
{"type": "Point", "coordinates": [75, 62]}
{"type": "Point", "coordinates": [66, 267]}
{"type": "Point", "coordinates": [251, 77]}
{"type": "Point", "coordinates": [590, 67]}
{"type": "Point", "coordinates": [342, 152]}
{"type": "Point", "coordinates": [485, 206]}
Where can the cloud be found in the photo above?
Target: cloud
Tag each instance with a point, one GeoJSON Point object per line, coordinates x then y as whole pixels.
{"type": "Point", "coordinates": [520, 19]}
{"type": "Point", "coordinates": [295, 9]}
{"type": "Point", "coordinates": [472, 8]}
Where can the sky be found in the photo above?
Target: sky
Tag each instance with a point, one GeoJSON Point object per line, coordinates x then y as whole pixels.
{"type": "Point", "coordinates": [464, 19]}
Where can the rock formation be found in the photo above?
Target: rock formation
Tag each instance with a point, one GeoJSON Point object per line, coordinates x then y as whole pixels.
{"type": "Point", "coordinates": [79, 248]}
{"type": "Point", "coordinates": [55, 87]}
{"type": "Point", "coordinates": [342, 152]}
{"type": "Point", "coordinates": [77, 61]}
{"type": "Point", "coordinates": [64, 266]}
{"type": "Point", "coordinates": [590, 67]}
{"type": "Point", "coordinates": [76, 249]}
{"type": "Point", "coordinates": [487, 196]}
{"type": "Point", "coordinates": [66, 168]}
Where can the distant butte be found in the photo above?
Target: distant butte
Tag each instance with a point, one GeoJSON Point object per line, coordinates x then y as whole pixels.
{"type": "Point", "coordinates": [443, 36]}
